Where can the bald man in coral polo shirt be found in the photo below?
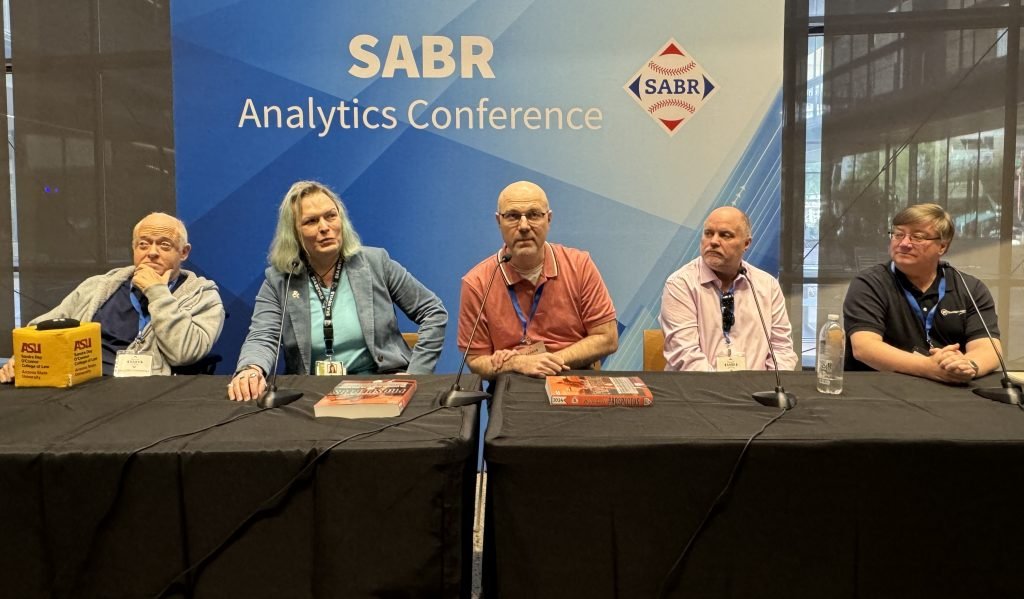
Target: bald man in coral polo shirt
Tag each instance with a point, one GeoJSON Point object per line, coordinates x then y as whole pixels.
{"type": "Point", "coordinates": [549, 309]}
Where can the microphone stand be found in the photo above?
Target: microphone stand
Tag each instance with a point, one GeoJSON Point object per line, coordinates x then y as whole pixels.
{"type": "Point", "coordinates": [778, 398]}
{"type": "Point", "coordinates": [457, 396]}
{"type": "Point", "coordinates": [273, 397]}
{"type": "Point", "coordinates": [1010, 392]}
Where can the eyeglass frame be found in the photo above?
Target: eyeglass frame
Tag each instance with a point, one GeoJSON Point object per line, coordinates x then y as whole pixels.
{"type": "Point", "coordinates": [899, 236]}
{"type": "Point", "coordinates": [538, 218]}
{"type": "Point", "coordinates": [727, 302]}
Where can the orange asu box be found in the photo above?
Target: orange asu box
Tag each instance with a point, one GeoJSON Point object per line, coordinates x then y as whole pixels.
{"type": "Point", "coordinates": [58, 357]}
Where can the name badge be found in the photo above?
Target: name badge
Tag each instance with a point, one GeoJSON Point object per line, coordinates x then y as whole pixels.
{"type": "Point", "coordinates": [330, 368]}
{"type": "Point", "coordinates": [130, 363]}
{"type": "Point", "coordinates": [531, 349]}
{"type": "Point", "coordinates": [730, 362]}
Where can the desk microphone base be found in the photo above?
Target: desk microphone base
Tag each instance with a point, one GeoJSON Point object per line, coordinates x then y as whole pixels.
{"type": "Point", "coordinates": [277, 397]}
{"type": "Point", "coordinates": [776, 399]}
{"type": "Point", "coordinates": [456, 398]}
{"type": "Point", "coordinates": [1010, 393]}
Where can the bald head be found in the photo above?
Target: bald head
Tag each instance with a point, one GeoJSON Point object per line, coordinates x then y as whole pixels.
{"type": "Point", "coordinates": [725, 238]}
{"type": "Point", "coordinates": [164, 224]}
{"type": "Point", "coordinates": [524, 219]}
{"type": "Point", "coordinates": [733, 216]}
{"type": "Point", "coordinates": [522, 192]}
{"type": "Point", "coordinates": [159, 244]}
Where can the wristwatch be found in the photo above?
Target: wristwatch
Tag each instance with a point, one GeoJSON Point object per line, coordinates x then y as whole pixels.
{"type": "Point", "coordinates": [974, 365]}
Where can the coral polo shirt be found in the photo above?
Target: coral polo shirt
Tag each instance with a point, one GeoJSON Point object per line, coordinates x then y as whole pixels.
{"type": "Point", "coordinates": [573, 300]}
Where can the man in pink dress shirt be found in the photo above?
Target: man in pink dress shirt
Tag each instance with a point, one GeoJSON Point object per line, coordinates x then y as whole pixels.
{"type": "Point", "coordinates": [707, 308]}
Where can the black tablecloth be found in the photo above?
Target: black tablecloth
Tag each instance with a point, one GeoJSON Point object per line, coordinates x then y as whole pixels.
{"type": "Point", "coordinates": [899, 488]}
{"type": "Point", "coordinates": [386, 515]}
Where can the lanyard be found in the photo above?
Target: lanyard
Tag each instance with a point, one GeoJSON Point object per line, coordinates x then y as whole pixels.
{"type": "Point", "coordinates": [523, 320]}
{"type": "Point", "coordinates": [327, 303]}
{"type": "Point", "coordinates": [144, 315]}
{"type": "Point", "coordinates": [916, 307]}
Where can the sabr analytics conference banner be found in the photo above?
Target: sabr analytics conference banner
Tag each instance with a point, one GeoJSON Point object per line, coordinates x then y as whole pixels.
{"type": "Point", "coordinates": [637, 119]}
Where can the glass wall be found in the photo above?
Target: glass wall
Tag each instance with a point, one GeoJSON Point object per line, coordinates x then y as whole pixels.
{"type": "Point", "coordinates": [907, 102]}
{"type": "Point", "coordinates": [93, 142]}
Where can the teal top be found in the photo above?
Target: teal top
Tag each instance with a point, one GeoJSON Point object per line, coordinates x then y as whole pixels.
{"type": "Point", "coordinates": [349, 345]}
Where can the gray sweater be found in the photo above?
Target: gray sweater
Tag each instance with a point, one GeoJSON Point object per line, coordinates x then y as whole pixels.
{"type": "Point", "coordinates": [184, 324]}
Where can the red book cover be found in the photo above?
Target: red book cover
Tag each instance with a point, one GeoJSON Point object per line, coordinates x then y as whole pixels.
{"type": "Point", "coordinates": [598, 391]}
{"type": "Point", "coordinates": [366, 399]}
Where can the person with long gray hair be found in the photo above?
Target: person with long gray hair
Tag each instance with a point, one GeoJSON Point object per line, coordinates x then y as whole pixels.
{"type": "Point", "coordinates": [341, 301]}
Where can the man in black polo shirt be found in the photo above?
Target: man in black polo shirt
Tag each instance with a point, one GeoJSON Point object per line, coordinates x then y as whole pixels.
{"type": "Point", "coordinates": [912, 315]}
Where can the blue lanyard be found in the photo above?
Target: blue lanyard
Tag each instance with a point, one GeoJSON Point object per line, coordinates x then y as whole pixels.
{"type": "Point", "coordinates": [916, 307]}
{"type": "Point", "coordinates": [523, 320]}
{"type": "Point", "coordinates": [144, 316]}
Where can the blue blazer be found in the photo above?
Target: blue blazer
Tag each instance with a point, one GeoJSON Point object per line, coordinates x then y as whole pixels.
{"type": "Point", "coordinates": [378, 285]}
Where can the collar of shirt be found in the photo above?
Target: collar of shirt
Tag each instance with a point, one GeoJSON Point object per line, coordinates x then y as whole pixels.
{"type": "Point", "coordinates": [929, 295]}
{"type": "Point", "coordinates": [512, 277]}
{"type": "Point", "coordinates": [708, 276]}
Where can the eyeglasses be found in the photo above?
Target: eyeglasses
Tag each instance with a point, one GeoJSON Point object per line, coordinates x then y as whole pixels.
{"type": "Point", "coordinates": [533, 216]}
{"type": "Point", "coordinates": [915, 238]}
{"type": "Point", "coordinates": [728, 315]}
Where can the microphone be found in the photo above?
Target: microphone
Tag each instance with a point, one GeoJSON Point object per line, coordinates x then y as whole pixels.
{"type": "Point", "coordinates": [456, 396]}
{"type": "Point", "coordinates": [778, 398]}
{"type": "Point", "coordinates": [1010, 392]}
{"type": "Point", "coordinates": [272, 397]}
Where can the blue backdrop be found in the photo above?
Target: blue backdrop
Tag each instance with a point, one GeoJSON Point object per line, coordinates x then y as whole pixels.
{"type": "Point", "coordinates": [626, 187]}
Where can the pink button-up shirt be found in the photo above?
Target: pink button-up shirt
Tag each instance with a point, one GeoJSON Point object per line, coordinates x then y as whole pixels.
{"type": "Point", "coordinates": [691, 317]}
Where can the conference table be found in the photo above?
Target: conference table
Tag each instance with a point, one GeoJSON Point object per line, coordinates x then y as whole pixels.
{"type": "Point", "coordinates": [898, 488]}
{"type": "Point", "coordinates": [260, 506]}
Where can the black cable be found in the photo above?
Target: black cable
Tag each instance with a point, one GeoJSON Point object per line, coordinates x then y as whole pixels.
{"type": "Point", "coordinates": [121, 479]}
{"type": "Point", "coordinates": [944, 98]}
{"type": "Point", "coordinates": [715, 506]}
{"type": "Point", "coordinates": [275, 499]}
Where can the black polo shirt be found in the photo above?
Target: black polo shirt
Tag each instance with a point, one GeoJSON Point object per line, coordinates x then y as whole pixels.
{"type": "Point", "coordinates": [875, 302]}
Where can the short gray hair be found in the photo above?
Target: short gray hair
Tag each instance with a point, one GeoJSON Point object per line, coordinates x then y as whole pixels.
{"type": "Point", "coordinates": [180, 226]}
{"type": "Point", "coordinates": [286, 246]}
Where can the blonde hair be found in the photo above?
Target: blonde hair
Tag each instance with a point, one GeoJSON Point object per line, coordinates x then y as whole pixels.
{"type": "Point", "coordinates": [286, 246]}
{"type": "Point", "coordinates": [928, 214]}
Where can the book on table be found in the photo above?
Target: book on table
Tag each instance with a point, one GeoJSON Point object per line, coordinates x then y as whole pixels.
{"type": "Point", "coordinates": [366, 399]}
{"type": "Point", "coordinates": [598, 391]}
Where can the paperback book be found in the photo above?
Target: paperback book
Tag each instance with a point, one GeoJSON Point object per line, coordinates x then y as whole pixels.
{"type": "Point", "coordinates": [598, 391]}
{"type": "Point", "coordinates": [366, 399]}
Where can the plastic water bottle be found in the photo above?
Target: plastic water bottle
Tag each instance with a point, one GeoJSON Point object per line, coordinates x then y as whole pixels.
{"type": "Point", "coordinates": [831, 353]}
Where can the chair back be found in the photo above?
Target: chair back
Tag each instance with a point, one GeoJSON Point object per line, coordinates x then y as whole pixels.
{"type": "Point", "coordinates": [654, 349]}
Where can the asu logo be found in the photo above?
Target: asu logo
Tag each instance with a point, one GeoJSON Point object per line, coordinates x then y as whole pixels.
{"type": "Point", "coordinates": [83, 344]}
{"type": "Point", "coordinates": [31, 348]}
{"type": "Point", "coordinates": [671, 87]}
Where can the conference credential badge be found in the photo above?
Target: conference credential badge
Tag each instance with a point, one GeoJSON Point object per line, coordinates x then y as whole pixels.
{"type": "Point", "coordinates": [131, 363]}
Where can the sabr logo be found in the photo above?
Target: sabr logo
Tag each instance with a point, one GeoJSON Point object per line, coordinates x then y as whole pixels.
{"type": "Point", "coordinates": [31, 348]}
{"type": "Point", "coordinates": [671, 87]}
